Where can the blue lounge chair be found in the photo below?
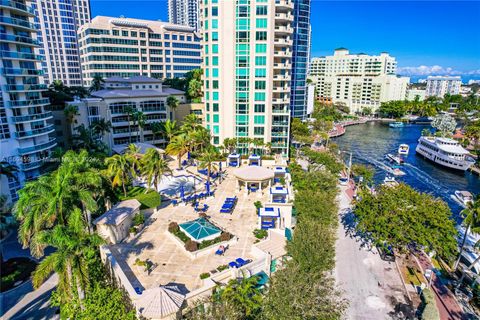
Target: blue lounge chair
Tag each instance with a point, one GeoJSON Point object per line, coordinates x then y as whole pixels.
{"type": "Point", "coordinates": [138, 290]}
{"type": "Point", "coordinates": [233, 264]}
{"type": "Point", "coordinates": [226, 210]}
{"type": "Point", "coordinates": [241, 262]}
{"type": "Point", "coordinates": [231, 199]}
{"type": "Point", "coordinates": [174, 202]}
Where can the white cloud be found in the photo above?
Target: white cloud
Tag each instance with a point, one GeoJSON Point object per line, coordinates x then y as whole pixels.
{"type": "Point", "coordinates": [434, 70]}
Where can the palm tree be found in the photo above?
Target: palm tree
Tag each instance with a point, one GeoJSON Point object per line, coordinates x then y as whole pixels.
{"type": "Point", "coordinates": [130, 111]}
{"type": "Point", "coordinates": [132, 154]}
{"type": "Point", "coordinates": [243, 294]}
{"type": "Point", "coordinates": [172, 103]}
{"type": "Point", "coordinates": [153, 167]}
{"type": "Point", "coordinates": [208, 159]}
{"type": "Point", "coordinates": [8, 170]}
{"type": "Point", "coordinates": [100, 127]}
{"type": "Point", "coordinates": [49, 200]}
{"type": "Point", "coordinates": [268, 147]}
{"type": "Point", "coordinates": [471, 223]}
{"type": "Point", "coordinates": [139, 119]}
{"type": "Point", "coordinates": [169, 129]}
{"type": "Point", "coordinates": [191, 123]}
{"type": "Point", "coordinates": [118, 169]}
{"type": "Point", "coordinates": [73, 250]}
{"type": "Point", "coordinates": [97, 83]}
{"type": "Point", "coordinates": [157, 129]}
{"type": "Point", "coordinates": [194, 90]}
{"type": "Point", "coordinates": [178, 146]}
{"type": "Point", "coordinates": [200, 138]}
{"type": "Point", "coordinates": [230, 144]}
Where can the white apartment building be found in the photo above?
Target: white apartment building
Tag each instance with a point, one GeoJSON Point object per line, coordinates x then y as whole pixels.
{"type": "Point", "coordinates": [439, 86]}
{"type": "Point", "coordinates": [358, 80]}
{"type": "Point", "coordinates": [59, 21]}
{"type": "Point", "coordinates": [139, 93]}
{"type": "Point", "coordinates": [247, 53]}
{"type": "Point", "coordinates": [24, 131]}
{"type": "Point", "coordinates": [413, 93]}
{"type": "Point", "coordinates": [124, 47]}
{"type": "Point", "coordinates": [184, 12]}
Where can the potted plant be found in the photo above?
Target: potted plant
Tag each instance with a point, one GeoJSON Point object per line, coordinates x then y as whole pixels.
{"type": "Point", "coordinates": [139, 221]}
{"type": "Point", "coordinates": [132, 231]}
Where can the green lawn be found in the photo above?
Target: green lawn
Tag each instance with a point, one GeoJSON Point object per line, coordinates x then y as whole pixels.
{"type": "Point", "coordinates": [151, 199]}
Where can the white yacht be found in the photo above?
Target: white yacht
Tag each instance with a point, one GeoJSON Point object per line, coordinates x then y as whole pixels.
{"type": "Point", "coordinates": [463, 197]}
{"type": "Point", "coordinates": [444, 151]}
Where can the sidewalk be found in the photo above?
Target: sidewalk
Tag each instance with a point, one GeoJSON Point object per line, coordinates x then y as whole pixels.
{"type": "Point", "coordinates": [447, 305]}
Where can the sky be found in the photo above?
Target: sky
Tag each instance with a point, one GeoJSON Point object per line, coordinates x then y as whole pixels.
{"type": "Point", "coordinates": [427, 37]}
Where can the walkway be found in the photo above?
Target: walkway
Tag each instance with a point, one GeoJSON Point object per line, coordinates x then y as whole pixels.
{"type": "Point", "coordinates": [372, 286]}
{"type": "Point", "coordinates": [446, 303]}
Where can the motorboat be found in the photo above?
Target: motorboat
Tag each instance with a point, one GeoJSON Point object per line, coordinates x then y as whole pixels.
{"type": "Point", "coordinates": [445, 152]}
{"type": "Point", "coordinates": [394, 158]}
{"type": "Point", "coordinates": [398, 172]}
{"type": "Point", "coordinates": [396, 124]}
{"type": "Point", "coordinates": [463, 197]}
{"type": "Point", "coordinates": [403, 149]}
{"type": "Point", "coordinates": [390, 181]}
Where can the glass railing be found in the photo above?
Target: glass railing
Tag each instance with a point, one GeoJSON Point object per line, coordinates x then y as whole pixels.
{"type": "Point", "coordinates": [20, 55]}
{"type": "Point", "coordinates": [28, 87]}
{"type": "Point", "coordinates": [32, 117]}
{"type": "Point", "coordinates": [21, 72]}
{"type": "Point", "coordinates": [32, 165]}
{"type": "Point", "coordinates": [26, 134]}
{"type": "Point", "coordinates": [18, 22]}
{"type": "Point", "coordinates": [17, 5]}
{"type": "Point", "coordinates": [14, 38]}
{"type": "Point", "coordinates": [38, 147]}
{"type": "Point", "coordinates": [27, 103]}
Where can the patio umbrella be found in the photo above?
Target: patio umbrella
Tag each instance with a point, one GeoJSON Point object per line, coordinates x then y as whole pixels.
{"type": "Point", "coordinates": [207, 187]}
{"type": "Point", "coordinates": [160, 302]}
{"type": "Point", "coordinates": [182, 191]}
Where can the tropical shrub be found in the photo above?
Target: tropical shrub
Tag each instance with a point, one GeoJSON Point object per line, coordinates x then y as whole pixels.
{"type": "Point", "coordinates": [204, 275]}
{"type": "Point", "coordinates": [191, 245]}
{"type": "Point", "coordinates": [173, 227]}
{"type": "Point", "coordinates": [260, 233]}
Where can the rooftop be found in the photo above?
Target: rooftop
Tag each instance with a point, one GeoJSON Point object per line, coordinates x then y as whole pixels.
{"type": "Point", "coordinates": [253, 173]}
{"type": "Point", "coordinates": [154, 26]}
{"type": "Point", "coordinates": [135, 79]}
{"type": "Point", "coordinates": [116, 93]}
{"type": "Point", "coordinates": [119, 212]}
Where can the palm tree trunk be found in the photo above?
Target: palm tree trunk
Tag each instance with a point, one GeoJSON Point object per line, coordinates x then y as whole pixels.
{"type": "Point", "coordinates": [124, 189]}
{"type": "Point", "coordinates": [455, 266]}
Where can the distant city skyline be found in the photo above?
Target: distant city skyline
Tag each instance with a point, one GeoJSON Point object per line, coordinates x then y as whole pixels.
{"type": "Point", "coordinates": [426, 37]}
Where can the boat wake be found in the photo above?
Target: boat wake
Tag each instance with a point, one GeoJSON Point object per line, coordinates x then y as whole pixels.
{"type": "Point", "coordinates": [424, 177]}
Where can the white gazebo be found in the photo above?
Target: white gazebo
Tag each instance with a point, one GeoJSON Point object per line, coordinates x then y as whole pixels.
{"type": "Point", "coordinates": [254, 160]}
{"type": "Point", "coordinates": [280, 172]}
{"type": "Point", "coordinates": [160, 303]}
{"type": "Point", "coordinates": [233, 160]}
{"type": "Point", "coordinates": [253, 178]}
{"type": "Point", "coordinates": [279, 194]}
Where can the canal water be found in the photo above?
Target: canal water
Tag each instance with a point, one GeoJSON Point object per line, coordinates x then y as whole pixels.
{"type": "Point", "coordinates": [370, 142]}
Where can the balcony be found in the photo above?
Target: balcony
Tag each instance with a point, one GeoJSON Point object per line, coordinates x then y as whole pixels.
{"type": "Point", "coordinates": [287, 42]}
{"type": "Point", "coordinates": [280, 111]}
{"type": "Point", "coordinates": [282, 66]}
{"type": "Point", "coordinates": [283, 53]}
{"type": "Point", "coordinates": [283, 30]}
{"type": "Point", "coordinates": [27, 103]}
{"type": "Point", "coordinates": [281, 77]}
{"type": "Point", "coordinates": [32, 165]}
{"type": "Point", "coordinates": [287, 17]}
{"type": "Point", "coordinates": [280, 134]}
{"type": "Point", "coordinates": [35, 132]}
{"type": "Point", "coordinates": [18, 39]}
{"type": "Point", "coordinates": [281, 89]}
{"type": "Point", "coordinates": [280, 122]}
{"type": "Point", "coordinates": [280, 100]}
{"type": "Point", "coordinates": [17, 7]}
{"type": "Point", "coordinates": [284, 4]}
{"type": "Point", "coordinates": [39, 147]}
{"type": "Point", "coordinates": [32, 117]}
{"type": "Point", "coordinates": [18, 23]}
{"type": "Point", "coordinates": [12, 55]}
{"type": "Point", "coordinates": [27, 87]}
{"type": "Point", "coordinates": [21, 72]}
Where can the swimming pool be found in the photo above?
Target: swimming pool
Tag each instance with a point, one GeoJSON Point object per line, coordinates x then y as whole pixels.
{"type": "Point", "coordinates": [200, 230]}
{"type": "Point", "coordinates": [171, 186]}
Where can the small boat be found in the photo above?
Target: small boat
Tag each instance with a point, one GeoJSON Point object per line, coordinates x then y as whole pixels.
{"type": "Point", "coordinates": [398, 172]}
{"type": "Point", "coordinates": [390, 181]}
{"type": "Point", "coordinates": [393, 158]}
{"type": "Point", "coordinates": [403, 149]}
{"type": "Point", "coordinates": [463, 197]}
{"type": "Point", "coordinates": [396, 124]}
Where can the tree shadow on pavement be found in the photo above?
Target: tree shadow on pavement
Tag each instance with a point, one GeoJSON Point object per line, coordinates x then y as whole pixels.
{"type": "Point", "coordinates": [36, 309]}
{"type": "Point", "coordinates": [347, 218]}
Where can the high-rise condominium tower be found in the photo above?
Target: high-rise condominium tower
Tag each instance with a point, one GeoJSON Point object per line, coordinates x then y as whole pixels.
{"type": "Point", "coordinates": [184, 12]}
{"type": "Point", "coordinates": [59, 21]}
{"type": "Point", "coordinates": [247, 56]}
{"type": "Point", "coordinates": [300, 58]}
{"type": "Point", "coordinates": [24, 131]}
{"type": "Point", "coordinates": [439, 86]}
{"type": "Point", "coordinates": [124, 47]}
